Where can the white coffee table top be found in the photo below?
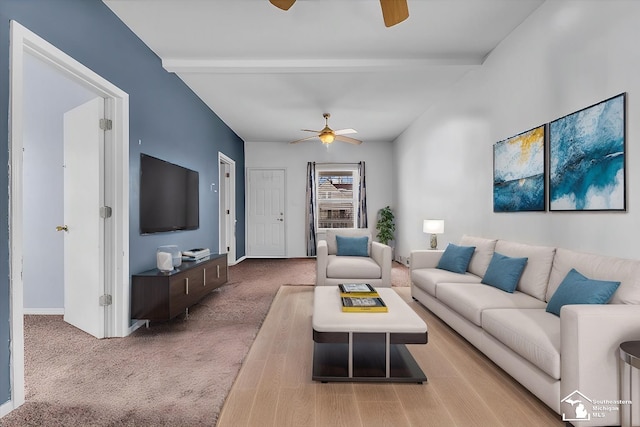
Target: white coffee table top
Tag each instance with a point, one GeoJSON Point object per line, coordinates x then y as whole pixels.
{"type": "Point", "coordinates": [329, 317]}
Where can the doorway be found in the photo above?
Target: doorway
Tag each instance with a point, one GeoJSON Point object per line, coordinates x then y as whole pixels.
{"type": "Point", "coordinates": [227, 204]}
{"type": "Point", "coordinates": [115, 261]}
{"type": "Point", "coordinates": [47, 96]}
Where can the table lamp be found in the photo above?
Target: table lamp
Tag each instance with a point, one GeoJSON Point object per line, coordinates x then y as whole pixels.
{"type": "Point", "coordinates": [434, 227]}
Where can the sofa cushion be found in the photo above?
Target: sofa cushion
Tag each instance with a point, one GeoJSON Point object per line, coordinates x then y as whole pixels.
{"type": "Point", "coordinates": [456, 258]}
{"type": "Point", "coordinates": [469, 299]}
{"type": "Point", "coordinates": [534, 334]}
{"type": "Point", "coordinates": [535, 276]}
{"type": "Point", "coordinates": [504, 272]}
{"type": "Point", "coordinates": [481, 256]}
{"type": "Point", "coordinates": [598, 267]}
{"type": "Point", "coordinates": [428, 278]}
{"type": "Point", "coordinates": [352, 246]}
{"type": "Point", "coordinates": [330, 237]}
{"type": "Point", "coordinates": [578, 289]}
{"type": "Point", "coordinates": [352, 267]}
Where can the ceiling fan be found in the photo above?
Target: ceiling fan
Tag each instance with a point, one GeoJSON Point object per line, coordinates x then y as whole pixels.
{"type": "Point", "coordinates": [328, 135]}
{"type": "Point", "coordinates": [393, 11]}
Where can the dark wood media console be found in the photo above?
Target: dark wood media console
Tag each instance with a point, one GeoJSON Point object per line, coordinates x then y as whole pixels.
{"type": "Point", "coordinates": [163, 296]}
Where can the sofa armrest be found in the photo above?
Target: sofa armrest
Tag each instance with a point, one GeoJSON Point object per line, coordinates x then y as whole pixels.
{"type": "Point", "coordinates": [381, 254]}
{"type": "Point", "coordinates": [424, 259]}
{"type": "Point", "coordinates": [322, 257]}
{"type": "Point", "coordinates": [590, 356]}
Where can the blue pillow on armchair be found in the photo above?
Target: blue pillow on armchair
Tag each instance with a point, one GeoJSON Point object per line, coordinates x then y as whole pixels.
{"type": "Point", "coordinates": [456, 258]}
{"type": "Point", "coordinates": [352, 246]}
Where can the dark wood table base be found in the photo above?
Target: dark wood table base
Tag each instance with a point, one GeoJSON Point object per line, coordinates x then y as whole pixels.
{"type": "Point", "coordinates": [331, 358]}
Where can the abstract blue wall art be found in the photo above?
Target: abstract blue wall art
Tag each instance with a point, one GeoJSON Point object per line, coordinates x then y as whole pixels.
{"type": "Point", "coordinates": [587, 158]}
{"type": "Point", "coordinates": [518, 172]}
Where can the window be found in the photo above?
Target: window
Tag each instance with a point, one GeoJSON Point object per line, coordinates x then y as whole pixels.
{"type": "Point", "coordinates": [337, 196]}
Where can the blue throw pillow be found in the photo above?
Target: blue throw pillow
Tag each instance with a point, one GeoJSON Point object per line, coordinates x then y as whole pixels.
{"type": "Point", "coordinates": [504, 272]}
{"type": "Point", "coordinates": [456, 258]}
{"type": "Point", "coordinates": [352, 246]}
{"type": "Point", "coordinates": [577, 289]}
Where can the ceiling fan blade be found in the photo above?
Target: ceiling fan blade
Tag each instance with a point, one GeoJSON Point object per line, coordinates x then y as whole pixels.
{"type": "Point", "coordinates": [348, 139]}
{"type": "Point", "coordinates": [282, 4]}
{"type": "Point", "coordinates": [309, 130]}
{"type": "Point", "coordinates": [394, 11]}
{"type": "Point", "coordinates": [345, 131]}
{"type": "Point", "coordinates": [303, 139]}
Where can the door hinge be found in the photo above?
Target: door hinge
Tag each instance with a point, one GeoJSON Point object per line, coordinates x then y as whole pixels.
{"type": "Point", "coordinates": [106, 212]}
{"type": "Point", "coordinates": [228, 212]}
{"type": "Point", "coordinates": [106, 124]}
{"type": "Point", "coordinates": [228, 248]}
{"type": "Point", "coordinates": [105, 300]}
{"type": "Point", "coordinates": [228, 175]}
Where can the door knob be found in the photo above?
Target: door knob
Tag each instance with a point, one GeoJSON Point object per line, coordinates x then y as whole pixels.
{"type": "Point", "coordinates": [62, 228]}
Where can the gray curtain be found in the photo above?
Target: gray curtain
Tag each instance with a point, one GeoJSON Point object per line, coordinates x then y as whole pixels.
{"type": "Point", "coordinates": [362, 199]}
{"type": "Point", "coordinates": [310, 210]}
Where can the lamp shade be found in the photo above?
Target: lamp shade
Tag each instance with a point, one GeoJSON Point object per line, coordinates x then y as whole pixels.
{"type": "Point", "coordinates": [433, 226]}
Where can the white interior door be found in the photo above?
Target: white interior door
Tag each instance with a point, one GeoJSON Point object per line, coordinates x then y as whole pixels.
{"type": "Point", "coordinates": [224, 213]}
{"type": "Point", "coordinates": [266, 220]}
{"type": "Point", "coordinates": [84, 227]}
{"type": "Point", "coordinates": [227, 215]}
{"type": "Point", "coordinates": [227, 202]}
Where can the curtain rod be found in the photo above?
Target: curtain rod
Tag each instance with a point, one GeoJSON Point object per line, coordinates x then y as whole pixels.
{"type": "Point", "coordinates": [337, 163]}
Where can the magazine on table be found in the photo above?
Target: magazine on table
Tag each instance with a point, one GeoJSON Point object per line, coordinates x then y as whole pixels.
{"type": "Point", "coordinates": [363, 304]}
{"type": "Point", "coordinates": [357, 290]}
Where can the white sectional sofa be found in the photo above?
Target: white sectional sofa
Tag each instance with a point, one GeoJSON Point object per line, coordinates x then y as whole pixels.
{"type": "Point", "coordinates": [552, 356]}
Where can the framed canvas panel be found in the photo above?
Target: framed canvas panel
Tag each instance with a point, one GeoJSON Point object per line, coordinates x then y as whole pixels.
{"type": "Point", "coordinates": [587, 155]}
{"type": "Point", "coordinates": [518, 172]}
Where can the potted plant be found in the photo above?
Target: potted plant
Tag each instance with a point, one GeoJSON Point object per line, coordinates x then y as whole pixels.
{"type": "Point", "coordinates": [385, 225]}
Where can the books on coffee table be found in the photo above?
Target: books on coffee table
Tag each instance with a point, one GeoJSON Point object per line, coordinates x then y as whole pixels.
{"type": "Point", "coordinates": [363, 304]}
{"type": "Point", "coordinates": [357, 290]}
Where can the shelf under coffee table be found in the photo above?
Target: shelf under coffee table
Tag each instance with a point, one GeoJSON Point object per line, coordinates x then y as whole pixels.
{"type": "Point", "coordinates": [365, 346]}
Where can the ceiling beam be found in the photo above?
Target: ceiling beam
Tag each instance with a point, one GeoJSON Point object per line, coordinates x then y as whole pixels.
{"type": "Point", "coordinates": [327, 65]}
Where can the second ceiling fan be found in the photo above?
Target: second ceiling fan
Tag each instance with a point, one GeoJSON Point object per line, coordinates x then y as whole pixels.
{"type": "Point", "coordinates": [393, 11]}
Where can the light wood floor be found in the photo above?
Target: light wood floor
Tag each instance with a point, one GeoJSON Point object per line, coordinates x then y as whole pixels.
{"type": "Point", "coordinates": [464, 388]}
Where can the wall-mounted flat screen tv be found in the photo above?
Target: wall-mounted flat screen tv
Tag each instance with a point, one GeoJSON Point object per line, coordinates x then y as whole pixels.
{"type": "Point", "coordinates": [169, 196]}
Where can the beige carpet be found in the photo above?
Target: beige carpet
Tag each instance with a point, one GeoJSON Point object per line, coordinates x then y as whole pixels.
{"type": "Point", "coordinates": [176, 373]}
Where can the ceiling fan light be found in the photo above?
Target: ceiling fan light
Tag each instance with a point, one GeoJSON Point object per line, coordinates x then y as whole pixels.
{"type": "Point", "coordinates": [327, 138]}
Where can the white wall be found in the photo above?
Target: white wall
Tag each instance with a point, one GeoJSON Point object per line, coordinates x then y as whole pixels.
{"type": "Point", "coordinates": [566, 56]}
{"type": "Point", "coordinates": [379, 173]}
{"type": "Point", "coordinates": [48, 95]}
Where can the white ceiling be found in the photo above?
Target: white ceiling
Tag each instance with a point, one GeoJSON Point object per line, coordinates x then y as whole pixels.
{"type": "Point", "coordinates": [268, 73]}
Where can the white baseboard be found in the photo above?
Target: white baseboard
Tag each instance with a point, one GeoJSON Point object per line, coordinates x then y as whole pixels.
{"type": "Point", "coordinates": [5, 408]}
{"type": "Point", "coordinates": [138, 324]}
{"type": "Point", "coordinates": [273, 257]}
{"type": "Point", "coordinates": [268, 257]}
{"type": "Point", "coordinates": [44, 311]}
{"type": "Point", "coordinates": [239, 260]}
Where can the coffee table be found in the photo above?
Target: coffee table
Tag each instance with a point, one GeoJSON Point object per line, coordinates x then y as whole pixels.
{"type": "Point", "coordinates": [365, 346]}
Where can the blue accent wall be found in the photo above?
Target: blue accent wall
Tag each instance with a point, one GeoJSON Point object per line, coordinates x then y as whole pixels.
{"type": "Point", "coordinates": [167, 120]}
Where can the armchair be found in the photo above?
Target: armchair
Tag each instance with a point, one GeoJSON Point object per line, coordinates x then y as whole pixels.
{"type": "Point", "coordinates": [333, 269]}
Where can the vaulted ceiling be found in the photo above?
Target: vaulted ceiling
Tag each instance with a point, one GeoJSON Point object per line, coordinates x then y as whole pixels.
{"type": "Point", "coordinates": [268, 73]}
